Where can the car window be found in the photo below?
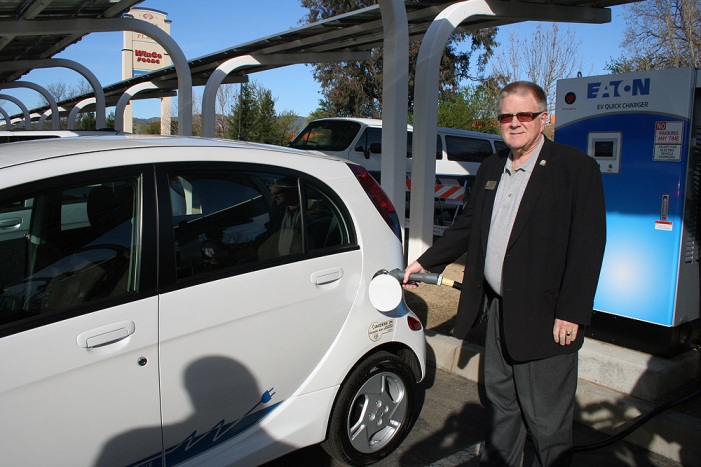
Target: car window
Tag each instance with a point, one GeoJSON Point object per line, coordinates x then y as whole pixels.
{"type": "Point", "coordinates": [326, 224]}
{"type": "Point", "coordinates": [499, 145]}
{"type": "Point", "coordinates": [66, 246]}
{"type": "Point", "coordinates": [327, 135]}
{"type": "Point", "coordinates": [439, 148]}
{"type": "Point", "coordinates": [233, 219]}
{"type": "Point", "coordinates": [467, 149]}
{"type": "Point", "coordinates": [371, 141]}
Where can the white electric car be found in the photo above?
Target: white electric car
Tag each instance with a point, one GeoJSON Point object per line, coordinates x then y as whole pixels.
{"type": "Point", "coordinates": [174, 300]}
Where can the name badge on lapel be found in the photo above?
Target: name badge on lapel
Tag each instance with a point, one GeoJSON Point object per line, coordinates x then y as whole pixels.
{"type": "Point", "coordinates": [490, 185]}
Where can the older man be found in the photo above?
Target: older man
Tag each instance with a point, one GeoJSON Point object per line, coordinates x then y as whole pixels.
{"type": "Point", "coordinates": [534, 232]}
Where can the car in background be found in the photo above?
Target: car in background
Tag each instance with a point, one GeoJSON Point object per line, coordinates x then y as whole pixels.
{"type": "Point", "coordinates": [173, 300]}
{"type": "Point", "coordinates": [459, 154]}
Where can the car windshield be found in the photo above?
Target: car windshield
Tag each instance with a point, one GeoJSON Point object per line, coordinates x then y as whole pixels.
{"type": "Point", "coordinates": [327, 135]}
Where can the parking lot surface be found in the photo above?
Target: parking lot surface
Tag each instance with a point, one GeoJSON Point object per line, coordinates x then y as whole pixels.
{"type": "Point", "coordinates": [450, 430]}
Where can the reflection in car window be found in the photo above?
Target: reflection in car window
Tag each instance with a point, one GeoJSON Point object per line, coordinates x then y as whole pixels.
{"type": "Point", "coordinates": [233, 219]}
{"type": "Point", "coordinates": [67, 246]}
{"type": "Point", "coordinates": [326, 226]}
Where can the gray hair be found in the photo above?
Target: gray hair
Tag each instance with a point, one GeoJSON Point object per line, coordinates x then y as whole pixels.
{"type": "Point", "coordinates": [523, 88]}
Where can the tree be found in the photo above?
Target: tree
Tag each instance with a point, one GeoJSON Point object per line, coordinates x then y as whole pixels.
{"type": "Point", "coordinates": [253, 117]}
{"type": "Point", "coordinates": [661, 34]}
{"type": "Point", "coordinates": [243, 112]}
{"type": "Point", "coordinates": [625, 64]}
{"type": "Point", "coordinates": [109, 120]}
{"type": "Point", "coordinates": [224, 102]}
{"type": "Point", "coordinates": [471, 108]}
{"type": "Point", "coordinates": [354, 89]}
{"type": "Point", "coordinates": [154, 128]}
{"type": "Point", "coordinates": [86, 121]}
{"type": "Point", "coordinates": [263, 129]}
{"type": "Point", "coordinates": [322, 111]}
{"type": "Point", "coordinates": [58, 90]}
{"type": "Point", "coordinates": [550, 56]}
{"type": "Point", "coordinates": [61, 91]}
{"type": "Point", "coordinates": [285, 128]}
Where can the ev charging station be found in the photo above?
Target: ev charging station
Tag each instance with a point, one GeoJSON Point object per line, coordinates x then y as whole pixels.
{"type": "Point", "coordinates": [644, 129]}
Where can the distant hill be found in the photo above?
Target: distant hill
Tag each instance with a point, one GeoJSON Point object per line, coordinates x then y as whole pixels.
{"type": "Point", "coordinates": [140, 124]}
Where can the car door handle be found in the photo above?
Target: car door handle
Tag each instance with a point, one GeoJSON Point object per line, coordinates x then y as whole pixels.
{"type": "Point", "coordinates": [327, 276]}
{"type": "Point", "coordinates": [10, 222]}
{"type": "Point", "coordinates": [105, 335]}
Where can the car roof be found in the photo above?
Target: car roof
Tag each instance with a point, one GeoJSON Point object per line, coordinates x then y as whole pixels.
{"type": "Point", "coordinates": [476, 134]}
{"type": "Point", "coordinates": [63, 133]}
{"type": "Point", "coordinates": [374, 122]}
{"type": "Point", "coordinates": [36, 150]}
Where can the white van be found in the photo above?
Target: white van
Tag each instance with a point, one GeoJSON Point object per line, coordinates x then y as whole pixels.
{"type": "Point", "coordinates": [458, 154]}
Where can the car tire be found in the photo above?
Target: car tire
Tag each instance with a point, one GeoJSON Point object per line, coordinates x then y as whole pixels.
{"type": "Point", "coordinates": [374, 411]}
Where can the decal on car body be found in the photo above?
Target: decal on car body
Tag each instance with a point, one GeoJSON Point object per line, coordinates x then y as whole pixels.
{"type": "Point", "coordinates": [377, 329]}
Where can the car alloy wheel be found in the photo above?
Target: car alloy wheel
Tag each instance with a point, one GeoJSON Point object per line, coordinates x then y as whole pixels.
{"type": "Point", "coordinates": [373, 412]}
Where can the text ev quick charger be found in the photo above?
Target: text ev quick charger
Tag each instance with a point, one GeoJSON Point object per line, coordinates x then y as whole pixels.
{"type": "Point", "coordinates": [644, 129]}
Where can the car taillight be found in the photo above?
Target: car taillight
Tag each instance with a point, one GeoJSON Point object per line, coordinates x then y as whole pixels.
{"type": "Point", "coordinates": [414, 323]}
{"type": "Point", "coordinates": [379, 198]}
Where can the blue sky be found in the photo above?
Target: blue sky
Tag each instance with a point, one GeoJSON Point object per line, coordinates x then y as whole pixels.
{"type": "Point", "coordinates": [204, 27]}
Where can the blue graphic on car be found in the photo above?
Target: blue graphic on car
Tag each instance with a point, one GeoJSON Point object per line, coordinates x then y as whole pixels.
{"type": "Point", "coordinates": [196, 444]}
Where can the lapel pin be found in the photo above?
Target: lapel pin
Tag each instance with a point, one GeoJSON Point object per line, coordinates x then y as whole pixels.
{"type": "Point", "coordinates": [543, 162]}
{"type": "Point", "coordinates": [490, 185]}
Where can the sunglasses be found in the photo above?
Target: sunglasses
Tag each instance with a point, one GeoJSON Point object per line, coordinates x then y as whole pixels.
{"type": "Point", "coordinates": [521, 116]}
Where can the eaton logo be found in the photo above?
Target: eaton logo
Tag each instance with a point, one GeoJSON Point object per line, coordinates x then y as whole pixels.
{"type": "Point", "coordinates": [619, 88]}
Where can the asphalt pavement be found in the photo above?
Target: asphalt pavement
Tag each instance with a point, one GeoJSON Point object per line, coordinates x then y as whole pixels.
{"type": "Point", "coordinates": [450, 431]}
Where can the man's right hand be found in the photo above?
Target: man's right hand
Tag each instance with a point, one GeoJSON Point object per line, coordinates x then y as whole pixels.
{"type": "Point", "coordinates": [413, 268]}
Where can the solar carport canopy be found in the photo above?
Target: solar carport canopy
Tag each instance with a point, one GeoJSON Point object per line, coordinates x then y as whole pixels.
{"type": "Point", "coordinates": [360, 30]}
{"type": "Point", "coordinates": [31, 29]}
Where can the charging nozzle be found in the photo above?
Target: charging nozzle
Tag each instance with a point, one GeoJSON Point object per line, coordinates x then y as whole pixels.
{"type": "Point", "coordinates": [432, 278]}
{"type": "Point", "coordinates": [425, 277]}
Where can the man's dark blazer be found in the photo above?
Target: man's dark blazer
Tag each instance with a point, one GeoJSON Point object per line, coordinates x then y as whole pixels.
{"type": "Point", "coordinates": [553, 258]}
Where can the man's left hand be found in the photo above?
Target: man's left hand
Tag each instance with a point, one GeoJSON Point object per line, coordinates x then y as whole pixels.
{"type": "Point", "coordinates": [565, 332]}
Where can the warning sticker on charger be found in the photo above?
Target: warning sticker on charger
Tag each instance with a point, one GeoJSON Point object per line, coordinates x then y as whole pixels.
{"type": "Point", "coordinates": [668, 141]}
{"type": "Point", "coordinates": [664, 225]}
{"type": "Point", "coordinates": [377, 329]}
